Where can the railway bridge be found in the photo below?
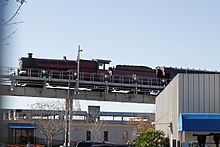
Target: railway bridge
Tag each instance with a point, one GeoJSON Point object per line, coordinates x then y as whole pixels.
{"type": "Point", "coordinates": [90, 86]}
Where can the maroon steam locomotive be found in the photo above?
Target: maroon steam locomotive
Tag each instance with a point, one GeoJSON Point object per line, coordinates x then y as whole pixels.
{"type": "Point", "coordinates": [100, 69]}
{"type": "Point", "coordinates": [95, 66]}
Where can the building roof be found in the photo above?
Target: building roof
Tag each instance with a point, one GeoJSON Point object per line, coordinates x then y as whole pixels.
{"type": "Point", "coordinates": [199, 122]}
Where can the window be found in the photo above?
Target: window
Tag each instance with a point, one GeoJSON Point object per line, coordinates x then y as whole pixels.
{"type": "Point", "coordinates": [21, 136]}
{"type": "Point", "coordinates": [174, 142]}
{"type": "Point", "coordinates": [105, 135]}
{"type": "Point", "coordinates": [88, 135]}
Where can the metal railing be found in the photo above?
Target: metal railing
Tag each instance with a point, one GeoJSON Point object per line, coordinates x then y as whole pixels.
{"type": "Point", "coordinates": [6, 71]}
{"type": "Point", "coordinates": [92, 77]}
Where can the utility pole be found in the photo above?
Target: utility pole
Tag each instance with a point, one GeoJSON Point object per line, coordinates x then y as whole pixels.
{"type": "Point", "coordinates": [78, 60]}
{"type": "Point", "coordinates": [67, 118]}
{"type": "Point", "coordinates": [69, 104]}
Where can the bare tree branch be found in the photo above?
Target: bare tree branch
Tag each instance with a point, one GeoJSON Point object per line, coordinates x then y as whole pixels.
{"type": "Point", "coordinates": [16, 12]}
{"type": "Point", "coordinates": [5, 3]}
{"type": "Point", "coordinates": [49, 120]}
{"type": "Point", "coordinates": [96, 126]}
{"type": "Point", "coordinates": [14, 23]}
{"type": "Point", "coordinates": [9, 36]}
{"type": "Point", "coordinates": [5, 44]}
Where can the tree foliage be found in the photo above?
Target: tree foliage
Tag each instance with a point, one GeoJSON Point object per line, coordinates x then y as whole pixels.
{"type": "Point", "coordinates": [142, 123]}
{"type": "Point", "coordinates": [151, 138]}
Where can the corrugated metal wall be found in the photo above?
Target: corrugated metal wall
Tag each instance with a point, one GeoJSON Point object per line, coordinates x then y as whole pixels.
{"type": "Point", "coordinates": [199, 93]}
{"type": "Point", "coordinates": [187, 93]}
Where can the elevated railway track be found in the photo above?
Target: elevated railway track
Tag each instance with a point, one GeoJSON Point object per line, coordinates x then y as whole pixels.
{"type": "Point", "coordinates": [91, 86]}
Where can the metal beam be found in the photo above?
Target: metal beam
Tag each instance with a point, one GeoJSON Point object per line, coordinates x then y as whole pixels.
{"type": "Point", "coordinates": [83, 95]}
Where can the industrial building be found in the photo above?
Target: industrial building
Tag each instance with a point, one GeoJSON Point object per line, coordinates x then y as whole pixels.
{"type": "Point", "coordinates": [19, 126]}
{"type": "Point", "coordinates": [189, 105]}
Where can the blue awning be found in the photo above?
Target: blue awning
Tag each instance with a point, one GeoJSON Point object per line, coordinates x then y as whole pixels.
{"type": "Point", "coordinates": [199, 122]}
{"type": "Point", "coordinates": [21, 126]}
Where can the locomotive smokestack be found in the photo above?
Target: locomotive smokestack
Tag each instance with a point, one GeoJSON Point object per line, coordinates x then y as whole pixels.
{"type": "Point", "coordinates": [30, 55]}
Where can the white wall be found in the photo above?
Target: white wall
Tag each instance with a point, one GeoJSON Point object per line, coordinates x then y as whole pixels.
{"type": "Point", "coordinates": [167, 108]}
{"type": "Point", "coordinates": [115, 132]}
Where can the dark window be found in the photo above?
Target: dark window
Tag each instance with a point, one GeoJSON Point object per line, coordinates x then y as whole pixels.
{"type": "Point", "coordinates": [21, 136]}
{"type": "Point", "coordinates": [178, 143]}
{"type": "Point", "coordinates": [105, 135]}
{"type": "Point", "coordinates": [174, 142]}
{"type": "Point", "coordinates": [88, 135]}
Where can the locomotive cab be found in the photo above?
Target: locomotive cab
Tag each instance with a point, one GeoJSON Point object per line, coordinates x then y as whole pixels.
{"type": "Point", "coordinates": [102, 65]}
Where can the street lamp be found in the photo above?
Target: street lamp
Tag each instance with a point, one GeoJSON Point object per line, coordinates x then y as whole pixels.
{"type": "Point", "coordinates": [135, 81]}
{"type": "Point", "coordinates": [106, 79]}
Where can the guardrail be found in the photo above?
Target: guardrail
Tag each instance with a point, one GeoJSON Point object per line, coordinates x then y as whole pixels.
{"type": "Point", "coordinates": [92, 77]}
{"type": "Point", "coordinates": [6, 71]}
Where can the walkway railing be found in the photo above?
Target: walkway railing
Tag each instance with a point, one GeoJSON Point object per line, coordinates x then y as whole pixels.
{"type": "Point", "coordinates": [88, 77]}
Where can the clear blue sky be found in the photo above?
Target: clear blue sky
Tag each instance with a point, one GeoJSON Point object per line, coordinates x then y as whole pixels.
{"type": "Point", "coordinates": [177, 33]}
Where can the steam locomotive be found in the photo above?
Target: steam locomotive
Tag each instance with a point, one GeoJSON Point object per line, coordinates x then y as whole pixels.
{"type": "Point", "coordinates": [100, 69]}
